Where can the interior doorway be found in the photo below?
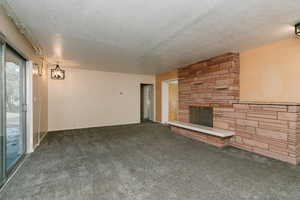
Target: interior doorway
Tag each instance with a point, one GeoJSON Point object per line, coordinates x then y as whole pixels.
{"type": "Point", "coordinates": [169, 101]}
{"type": "Point", "coordinates": [147, 103]}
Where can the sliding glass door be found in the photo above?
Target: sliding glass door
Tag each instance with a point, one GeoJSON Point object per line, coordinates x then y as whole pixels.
{"type": "Point", "coordinates": [13, 104]}
{"type": "Point", "coordinates": [2, 117]}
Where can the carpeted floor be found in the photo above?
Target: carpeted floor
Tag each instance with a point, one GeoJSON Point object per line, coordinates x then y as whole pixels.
{"type": "Point", "coordinates": [147, 162]}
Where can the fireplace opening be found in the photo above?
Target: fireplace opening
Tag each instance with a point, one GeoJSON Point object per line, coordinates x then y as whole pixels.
{"type": "Point", "coordinates": [201, 115]}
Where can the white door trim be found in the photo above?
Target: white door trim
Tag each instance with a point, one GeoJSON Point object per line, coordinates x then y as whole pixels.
{"type": "Point", "coordinates": [29, 114]}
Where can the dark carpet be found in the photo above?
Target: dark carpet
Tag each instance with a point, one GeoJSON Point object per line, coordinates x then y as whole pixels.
{"type": "Point", "coordinates": [147, 162]}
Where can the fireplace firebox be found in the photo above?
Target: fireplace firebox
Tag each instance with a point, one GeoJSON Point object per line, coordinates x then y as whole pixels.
{"type": "Point", "coordinates": [201, 115]}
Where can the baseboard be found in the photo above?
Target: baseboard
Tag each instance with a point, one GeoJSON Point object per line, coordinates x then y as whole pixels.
{"type": "Point", "coordinates": [84, 128]}
{"type": "Point", "coordinates": [40, 140]}
{"type": "Point", "coordinates": [15, 171]}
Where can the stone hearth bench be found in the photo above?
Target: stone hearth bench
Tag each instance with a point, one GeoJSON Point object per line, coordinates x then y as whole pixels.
{"type": "Point", "coordinates": [214, 136]}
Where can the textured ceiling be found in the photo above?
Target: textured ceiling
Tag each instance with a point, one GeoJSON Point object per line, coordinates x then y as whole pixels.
{"type": "Point", "coordinates": [142, 36]}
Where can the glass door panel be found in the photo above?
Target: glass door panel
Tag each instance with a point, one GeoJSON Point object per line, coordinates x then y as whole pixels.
{"type": "Point", "coordinates": [2, 117]}
{"type": "Point", "coordinates": [15, 101]}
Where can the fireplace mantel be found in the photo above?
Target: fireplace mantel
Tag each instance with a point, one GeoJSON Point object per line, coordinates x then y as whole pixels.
{"type": "Point", "coordinates": [202, 129]}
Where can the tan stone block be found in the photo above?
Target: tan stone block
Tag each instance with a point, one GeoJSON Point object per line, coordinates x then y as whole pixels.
{"type": "Point", "coordinates": [272, 134]}
{"type": "Point", "coordinates": [262, 112]}
{"type": "Point", "coordinates": [237, 88]}
{"type": "Point", "coordinates": [274, 155]}
{"type": "Point", "coordinates": [274, 121]}
{"type": "Point", "coordinates": [244, 134]}
{"type": "Point", "coordinates": [293, 108]}
{"type": "Point", "coordinates": [240, 110]}
{"type": "Point", "coordinates": [276, 149]}
{"type": "Point", "coordinates": [288, 116]}
{"type": "Point", "coordinates": [265, 114]}
{"type": "Point", "coordinates": [203, 137]}
{"type": "Point", "coordinates": [293, 138]}
{"type": "Point", "coordinates": [294, 149]}
{"type": "Point", "coordinates": [243, 122]}
{"type": "Point", "coordinates": [198, 137]}
{"type": "Point", "coordinates": [218, 97]}
{"type": "Point", "coordinates": [230, 115]}
{"type": "Point", "coordinates": [232, 140]}
{"type": "Point", "coordinates": [256, 107]}
{"type": "Point", "coordinates": [221, 125]}
{"type": "Point", "coordinates": [241, 106]}
{"type": "Point", "coordinates": [273, 127]}
{"type": "Point", "coordinates": [223, 119]}
{"type": "Point", "coordinates": [239, 139]}
{"type": "Point", "coordinates": [293, 155]}
{"type": "Point", "coordinates": [294, 125]}
{"type": "Point", "coordinates": [225, 82]}
{"type": "Point", "coordinates": [243, 146]}
{"type": "Point", "coordinates": [247, 129]}
{"type": "Point", "coordinates": [268, 140]}
{"type": "Point", "coordinates": [219, 110]}
{"type": "Point", "coordinates": [255, 143]}
{"type": "Point", "coordinates": [275, 108]}
{"type": "Point", "coordinates": [240, 115]}
{"type": "Point", "coordinates": [293, 132]}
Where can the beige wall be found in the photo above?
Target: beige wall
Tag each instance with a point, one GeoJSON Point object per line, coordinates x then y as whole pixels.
{"type": "Point", "coordinates": [271, 73]}
{"type": "Point", "coordinates": [94, 98]}
{"type": "Point", "coordinates": [40, 103]}
{"type": "Point", "coordinates": [158, 80]}
{"type": "Point", "coordinates": [40, 83]}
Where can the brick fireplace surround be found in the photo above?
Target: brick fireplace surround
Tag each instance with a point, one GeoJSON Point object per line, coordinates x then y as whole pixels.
{"type": "Point", "coordinates": [269, 129]}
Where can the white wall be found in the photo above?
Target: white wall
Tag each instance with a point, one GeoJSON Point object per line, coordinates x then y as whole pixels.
{"type": "Point", "coordinates": [94, 98]}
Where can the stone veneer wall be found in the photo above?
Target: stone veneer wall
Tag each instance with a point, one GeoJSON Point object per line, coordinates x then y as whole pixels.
{"type": "Point", "coordinates": [203, 137]}
{"type": "Point", "coordinates": [213, 82]}
{"type": "Point", "coordinates": [270, 129]}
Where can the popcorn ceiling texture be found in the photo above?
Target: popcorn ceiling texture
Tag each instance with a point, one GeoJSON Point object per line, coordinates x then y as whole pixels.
{"type": "Point", "coordinates": [123, 36]}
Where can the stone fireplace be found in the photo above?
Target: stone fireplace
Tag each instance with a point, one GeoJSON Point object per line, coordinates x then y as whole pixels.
{"type": "Point", "coordinates": [204, 88]}
{"type": "Point", "coordinates": [212, 83]}
{"type": "Point", "coordinates": [209, 98]}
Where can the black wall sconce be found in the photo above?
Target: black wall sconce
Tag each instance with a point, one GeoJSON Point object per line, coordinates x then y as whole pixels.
{"type": "Point", "coordinates": [57, 73]}
{"type": "Point", "coordinates": [297, 29]}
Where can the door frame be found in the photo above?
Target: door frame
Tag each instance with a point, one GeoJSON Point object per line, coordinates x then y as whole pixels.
{"type": "Point", "coordinates": [165, 99]}
{"type": "Point", "coordinates": [28, 116]}
{"type": "Point", "coordinates": [23, 104]}
{"type": "Point", "coordinates": [152, 101]}
{"type": "Point", "coordinates": [2, 118]}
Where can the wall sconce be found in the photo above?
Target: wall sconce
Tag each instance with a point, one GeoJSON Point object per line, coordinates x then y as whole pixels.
{"type": "Point", "coordinates": [41, 69]}
{"type": "Point", "coordinates": [38, 69]}
{"type": "Point", "coordinates": [35, 70]}
{"type": "Point", "coordinates": [297, 29]}
{"type": "Point", "coordinates": [57, 73]}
